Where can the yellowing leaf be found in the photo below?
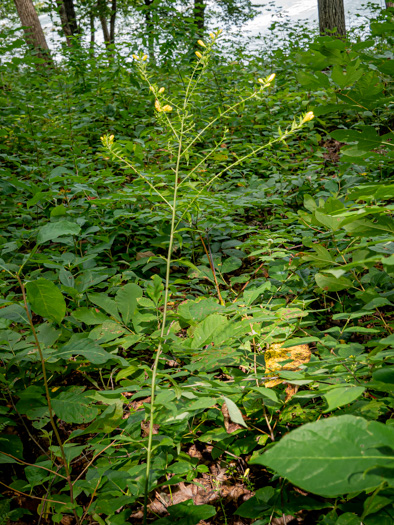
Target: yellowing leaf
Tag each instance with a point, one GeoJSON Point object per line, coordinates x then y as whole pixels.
{"type": "Point", "coordinates": [276, 354]}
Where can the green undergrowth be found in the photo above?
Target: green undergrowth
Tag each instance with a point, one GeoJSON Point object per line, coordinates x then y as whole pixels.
{"type": "Point", "coordinates": [124, 339]}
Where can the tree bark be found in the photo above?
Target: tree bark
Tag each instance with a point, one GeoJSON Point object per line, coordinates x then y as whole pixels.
{"type": "Point", "coordinates": [71, 16]}
{"type": "Point", "coordinates": [101, 7]}
{"type": "Point", "coordinates": [64, 21]}
{"type": "Point", "coordinates": [34, 34]}
{"type": "Point", "coordinates": [389, 4]}
{"type": "Point", "coordinates": [150, 27]}
{"type": "Point", "coordinates": [92, 33]}
{"type": "Point", "coordinates": [199, 17]}
{"type": "Point", "coordinates": [112, 22]}
{"type": "Point", "coordinates": [332, 17]}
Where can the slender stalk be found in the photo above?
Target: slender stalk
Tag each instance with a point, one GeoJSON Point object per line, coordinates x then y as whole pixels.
{"type": "Point", "coordinates": [163, 326]}
{"type": "Point", "coordinates": [212, 265]}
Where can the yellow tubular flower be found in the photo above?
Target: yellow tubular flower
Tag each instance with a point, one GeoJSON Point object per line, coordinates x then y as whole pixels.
{"type": "Point", "coordinates": [308, 117]}
{"type": "Point", "coordinates": [261, 81]}
{"type": "Point", "coordinates": [167, 108]}
{"type": "Point", "coordinates": [157, 106]}
{"type": "Point", "coordinates": [201, 43]}
{"type": "Point", "coordinates": [198, 54]}
{"type": "Point", "coordinates": [161, 90]}
{"type": "Point", "coordinates": [271, 77]}
{"type": "Point", "coordinates": [212, 36]}
{"type": "Point", "coordinates": [144, 57]}
{"type": "Point", "coordinates": [136, 57]}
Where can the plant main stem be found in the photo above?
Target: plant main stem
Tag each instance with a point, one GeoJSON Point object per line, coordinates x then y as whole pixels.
{"type": "Point", "coordinates": [163, 327]}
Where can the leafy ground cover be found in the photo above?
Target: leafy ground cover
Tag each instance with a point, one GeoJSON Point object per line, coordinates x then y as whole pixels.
{"type": "Point", "coordinates": [205, 295]}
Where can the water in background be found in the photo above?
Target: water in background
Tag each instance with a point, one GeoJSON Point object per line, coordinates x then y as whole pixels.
{"type": "Point", "coordinates": [305, 10]}
{"type": "Point", "coordinates": [274, 10]}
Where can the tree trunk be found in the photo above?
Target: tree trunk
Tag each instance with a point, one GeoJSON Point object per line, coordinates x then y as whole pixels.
{"type": "Point", "coordinates": [150, 27]}
{"type": "Point", "coordinates": [332, 17]}
{"type": "Point", "coordinates": [71, 16]}
{"type": "Point", "coordinates": [389, 4]}
{"type": "Point", "coordinates": [34, 34]}
{"type": "Point", "coordinates": [92, 33]}
{"type": "Point", "coordinates": [199, 17]}
{"type": "Point", "coordinates": [102, 8]}
{"type": "Point", "coordinates": [64, 21]}
{"type": "Point", "coordinates": [112, 22]}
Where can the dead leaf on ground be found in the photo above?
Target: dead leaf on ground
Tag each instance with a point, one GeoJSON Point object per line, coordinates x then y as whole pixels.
{"type": "Point", "coordinates": [276, 354]}
{"type": "Point", "coordinates": [145, 428]}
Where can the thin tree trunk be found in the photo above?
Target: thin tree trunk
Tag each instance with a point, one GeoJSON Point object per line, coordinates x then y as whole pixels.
{"type": "Point", "coordinates": [112, 22]}
{"type": "Point", "coordinates": [332, 17]}
{"type": "Point", "coordinates": [92, 33]}
{"type": "Point", "coordinates": [71, 16]}
{"type": "Point", "coordinates": [389, 4]}
{"type": "Point", "coordinates": [199, 17]}
{"type": "Point", "coordinates": [64, 21]}
{"type": "Point", "coordinates": [34, 34]}
{"type": "Point", "coordinates": [103, 20]}
{"type": "Point", "coordinates": [150, 31]}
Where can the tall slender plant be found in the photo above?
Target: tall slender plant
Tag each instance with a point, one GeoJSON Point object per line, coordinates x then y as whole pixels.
{"type": "Point", "coordinates": [177, 116]}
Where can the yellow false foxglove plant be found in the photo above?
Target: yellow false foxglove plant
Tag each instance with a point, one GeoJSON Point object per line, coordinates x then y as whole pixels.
{"type": "Point", "coordinates": [178, 117]}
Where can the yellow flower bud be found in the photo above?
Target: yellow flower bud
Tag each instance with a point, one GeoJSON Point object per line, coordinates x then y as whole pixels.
{"type": "Point", "coordinates": [212, 35]}
{"type": "Point", "coordinates": [161, 90]}
{"type": "Point", "coordinates": [144, 57]}
{"type": "Point", "coordinates": [198, 54]}
{"type": "Point", "coordinates": [136, 57]}
{"type": "Point", "coordinates": [152, 89]}
{"type": "Point", "coordinates": [261, 81]}
{"type": "Point", "coordinates": [167, 108]}
{"type": "Point", "coordinates": [201, 43]}
{"type": "Point", "coordinates": [308, 117]}
{"type": "Point", "coordinates": [271, 77]}
{"type": "Point", "coordinates": [157, 106]}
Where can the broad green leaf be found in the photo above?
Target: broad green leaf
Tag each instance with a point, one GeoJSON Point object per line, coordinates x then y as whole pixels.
{"type": "Point", "coordinates": [204, 332]}
{"type": "Point", "coordinates": [46, 299]}
{"type": "Point", "coordinates": [251, 295]}
{"type": "Point", "coordinates": [332, 457]}
{"type": "Point", "coordinates": [10, 444]}
{"type": "Point", "coordinates": [155, 289]}
{"type": "Point", "coordinates": [14, 312]}
{"type": "Point", "coordinates": [331, 222]}
{"type": "Point", "coordinates": [187, 513]}
{"type": "Point", "coordinates": [331, 283]}
{"type": "Point", "coordinates": [230, 264]}
{"type": "Point", "coordinates": [257, 504]}
{"type": "Point", "coordinates": [104, 302]}
{"type": "Point", "coordinates": [53, 230]}
{"type": "Point", "coordinates": [126, 300]}
{"type": "Point", "coordinates": [90, 316]}
{"type": "Point", "coordinates": [88, 349]}
{"type": "Point", "coordinates": [234, 412]}
{"type": "Point", "coordinates": [196, 311]}
{"type": "Point", "coordinates": [106, 332]}
{"type": "Point", "coordinates": [384, 375]}
{"type": "Point", "coordinates": [338, 397]}
{"type": "Point", "coordinates": [74, 406]}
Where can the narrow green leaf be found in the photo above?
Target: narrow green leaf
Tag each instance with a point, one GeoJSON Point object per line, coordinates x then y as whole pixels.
{"type": "Point", "coordinates": [234, 412]}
